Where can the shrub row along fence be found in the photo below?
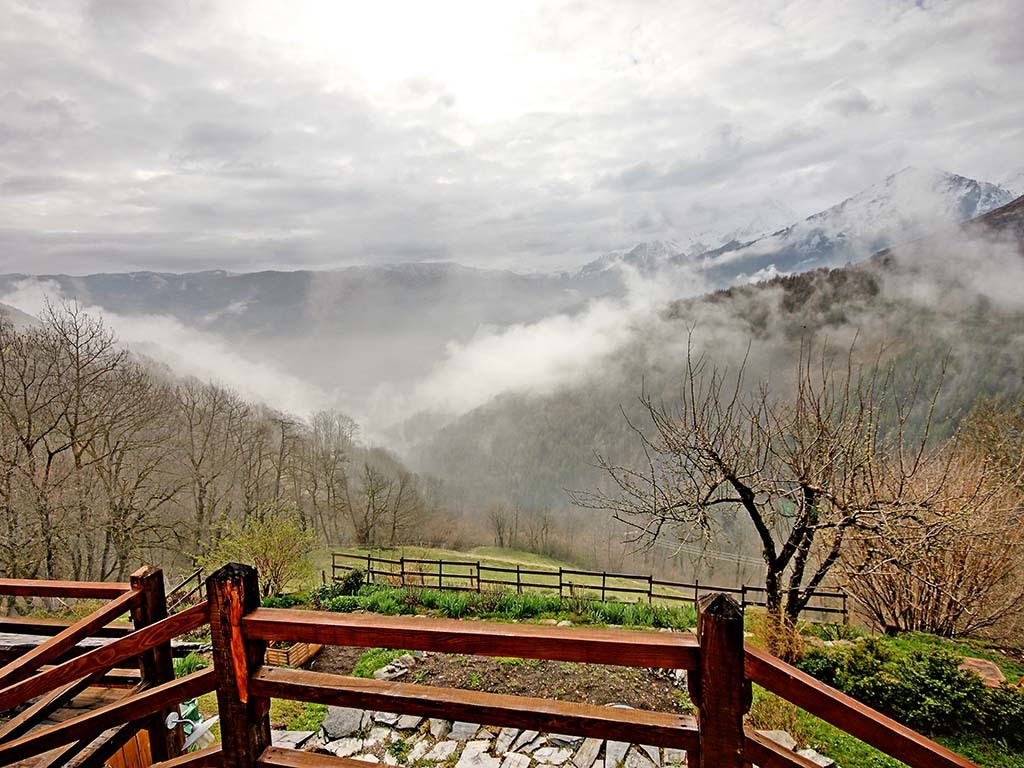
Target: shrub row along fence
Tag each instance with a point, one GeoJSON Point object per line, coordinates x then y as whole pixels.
{"type": "Point", "coordinates": [475, 576]}
{"type": "Point", "coordinates": [720, 667]}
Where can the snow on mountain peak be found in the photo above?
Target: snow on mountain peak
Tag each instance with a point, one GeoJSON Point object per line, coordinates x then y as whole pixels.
{"type": "Point", "coordinates": [1014, 183]}
{"type": "Point", "coordinates": [904, 206]}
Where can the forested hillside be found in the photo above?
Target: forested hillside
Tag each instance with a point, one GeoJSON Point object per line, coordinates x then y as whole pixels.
{"type": "Point", "coordinates": [947, 305]}
{"type": "Point", "coordinates": [109, 461]}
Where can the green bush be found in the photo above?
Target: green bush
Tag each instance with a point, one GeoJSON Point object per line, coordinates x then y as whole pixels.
{"type": "Point", "coordinates": [321, 595]}
{"type": "Point", "coordinates": [1002, 716]}
{"type": "Point", "coordinates": [342, 604]}
{"type": "Point", "coordinates": [430, 598]}
{"type": "Point", "coordinates": [609, 612]}
{"type": "Point", "coordinates": [280, 601]}
{"type": "Point", "coordinates": [352, 581]}
{"type": "Point", "coordinates": [922, 688]}
{"type": "Point", "coordinates": [454, 605]}
{"type": "Point", "coordinates": [189, 664]}
{"type": "Point", "coordinates": [639, 615]}
{"type": "Point", "coordinates": [390, 602]}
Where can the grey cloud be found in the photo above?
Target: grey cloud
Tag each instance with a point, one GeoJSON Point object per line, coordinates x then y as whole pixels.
{"type": "Point", "coordinates": [220, 136]}
{"type": "Point", "coordinates": [35, 185]}
{"type": "Point", "coordinates": [849, 101]}
{"type": "Point", "coordinates": [190, 140]}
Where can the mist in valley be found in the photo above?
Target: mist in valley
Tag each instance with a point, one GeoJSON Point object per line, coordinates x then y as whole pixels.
{"type": "Point", "coordinates": [503, 400]}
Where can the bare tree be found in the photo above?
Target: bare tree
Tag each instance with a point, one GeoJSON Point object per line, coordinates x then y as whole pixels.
{"type": "Point", "coordinates": [406, 508]}
{"type": "Point", "coordinates": [370, 507]}
{"type": "Point", "coordinates": [208, 416]}
{"type": "Point", "coordinates": [955, 566]}
{"type": "Point", "coordinates": [501, 519]}
{"type": "Point", "coordinates": [328, 450]}
{"type": "Point", "coordinates": [130, 457]}
{"type": "Point", "coordinates": [804, 470]}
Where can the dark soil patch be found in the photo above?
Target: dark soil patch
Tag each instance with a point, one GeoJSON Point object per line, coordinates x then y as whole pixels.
{"type": "Point", "coordinates": [563, 681]}
{"type": "Point", "coordinates": [337, 659]}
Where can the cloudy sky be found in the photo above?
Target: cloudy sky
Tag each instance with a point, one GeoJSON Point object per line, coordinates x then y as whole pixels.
{"type": "Point", "coordinates": [198, 134]}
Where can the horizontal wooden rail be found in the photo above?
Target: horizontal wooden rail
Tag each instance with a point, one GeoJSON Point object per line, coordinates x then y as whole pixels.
{"type": "Point", "coordinates": [656, 728]}
{"type": "Point", "coordinates": [43, 706]}
{"type": "Point", "coordinates": [594, 646]}
{"type": "Point", "coordinates": [103, 590]}
{"type": "Point", "coordinates": [128, 709]}
{"type": "Point", "coordinates": [419, 561]}
{"type": "Point", "coordinates": [513, 583]}
{"type": "Point", "coordinates": [27, 625]}
{"type": "Point", "coordinates": [609, 588]}
{"type": "Point", "coordinates": [196, 574]}
{"type": "Point", "coordinates": [523, 571]}
{"type": "Point", "coordinates": [112, 678]}
{"type": "Point", "coordinates": [210, 757]}
{"type": "Point", "coordinates": [279, 757]}
{"type": "Point", "coordinates": [765, 753]}
{"type": "Point", "coordinates": [66, 639]}
{"type": "Point", "coordinates": [184, 598]}
{"type": "Point", "coordinates": [846, 713]}
{"type": "Point", "coordinates": [103, 658]}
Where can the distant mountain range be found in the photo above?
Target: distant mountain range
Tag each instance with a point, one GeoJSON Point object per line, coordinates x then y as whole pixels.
{"type": "Point", "coordinates": [348, 330]}
{"type": "Point", "coordinates": [903, 207]}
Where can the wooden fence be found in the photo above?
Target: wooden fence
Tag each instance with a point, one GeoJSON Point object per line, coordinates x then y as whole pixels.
{"type": "Point", "coordinates": [476, 576]}
{"type": "Point", "coordinates": [721, 670]}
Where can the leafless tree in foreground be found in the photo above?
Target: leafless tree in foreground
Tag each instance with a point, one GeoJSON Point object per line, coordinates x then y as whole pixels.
{"type": "Point", "coordinates": [829, 456]}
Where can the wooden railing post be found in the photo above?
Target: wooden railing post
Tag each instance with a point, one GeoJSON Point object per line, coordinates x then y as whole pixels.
{"type": "Point", "coordinates": [156, 666]}
{"type": "Point", "coordinates": [719, 688]}
{"type": "Point", "coordinates": [233, 591]}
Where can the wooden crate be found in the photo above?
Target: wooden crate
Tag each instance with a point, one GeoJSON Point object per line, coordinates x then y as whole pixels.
{"type": "Point", "coordinates": [295, 655]}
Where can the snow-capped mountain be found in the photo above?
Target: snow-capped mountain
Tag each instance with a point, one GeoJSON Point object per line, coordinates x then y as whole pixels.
{"type": "Point", "coordinates": [905, 206]}
{"type": "Point", "coordinates": [651, 255]}
{"type": "Point", "coordinates": [1014, 183]}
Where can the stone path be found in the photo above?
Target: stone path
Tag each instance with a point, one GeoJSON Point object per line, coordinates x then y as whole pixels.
{"type": "Point", "coordinates": [388, 739]}
{"type": "Point", "coordinates": [405, 740]}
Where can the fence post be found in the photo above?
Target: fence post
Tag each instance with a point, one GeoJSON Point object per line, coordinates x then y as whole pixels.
{"type": "Point", "coordinates": [478, 588]}
{"type": "Point", "coordinates": [696, 592]}
{"type": "Point", "coordinates": [560, 581]}
{"type": "Point", "coordinates": [650, 589]}
{"type": "Point", "coordinates": [519, 581]}
{"type": "Point", "coordinates": [743, 597]}
{"type": "Point", "coordinates": [440, 574]}
{"type": "Point", "coordinates": [720, 688]}
{"type": "Point", "coordinates": [156, 666]}
{"type": "Point", "coordinates": [846, 612]}
{"type": "Point", "coordinates": [233, 591]}
{"type": "Point", "coordinates": [401, 566]}
{"type": "Point", "coordinates": [604, 584]}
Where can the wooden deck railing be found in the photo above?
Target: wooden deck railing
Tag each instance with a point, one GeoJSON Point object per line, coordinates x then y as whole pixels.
{"type": "Point", "coordinates": [187, 592]}
{"type": "Point", "coordinates": [56, 671]}
{"type": "Point", "coordinates": [721, 671]}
